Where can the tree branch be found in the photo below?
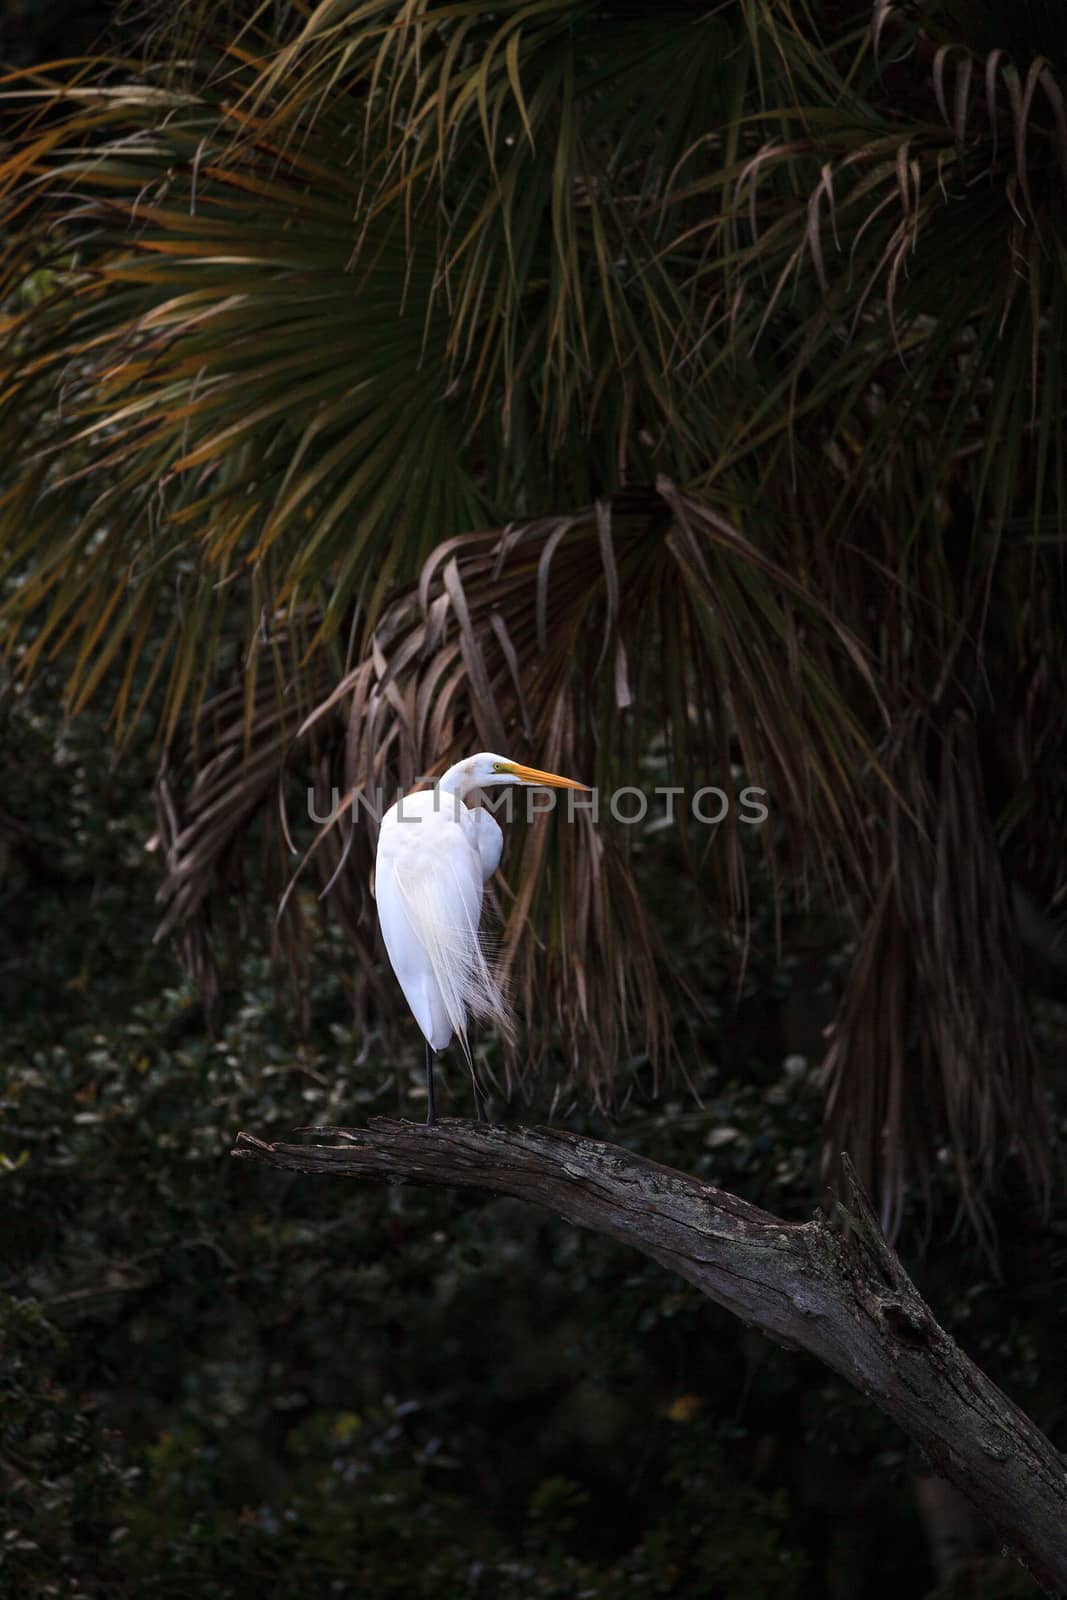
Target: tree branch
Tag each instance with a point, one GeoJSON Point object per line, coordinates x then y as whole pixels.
{"type": "Point", "coordinates": [844, 1297]}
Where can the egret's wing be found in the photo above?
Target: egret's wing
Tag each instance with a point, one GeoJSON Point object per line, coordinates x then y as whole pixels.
{"type": "Point", "coordinates": [488, 840]}
{"type": "Point", "coordinates": [429, 893]}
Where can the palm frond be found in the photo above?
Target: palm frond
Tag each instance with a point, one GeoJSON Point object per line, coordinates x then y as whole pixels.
{"type": "Point", "coordinates": [226, 781]}
{"type": "Point", "coordinates": [293, 313]}
{"type": "Point", "coordinates": [239, 406]}
{"type": "Point", "coordinates": [934, 1011]}
{"type": "Point", "coordinates": [570, 640]}
{"type": "Point", "coordinates": [900, 249]}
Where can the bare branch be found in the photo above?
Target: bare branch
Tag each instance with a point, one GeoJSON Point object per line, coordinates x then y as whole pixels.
{"type": "Point", "coordinates": [842, 1296]}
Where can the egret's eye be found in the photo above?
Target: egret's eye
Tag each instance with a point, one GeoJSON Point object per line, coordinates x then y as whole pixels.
{"type": "Point", "coordinates": [498, 766]}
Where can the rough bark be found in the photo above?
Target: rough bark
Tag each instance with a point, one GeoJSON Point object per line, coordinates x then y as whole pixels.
{"type": "Point", "coordinates": [841, 1294]}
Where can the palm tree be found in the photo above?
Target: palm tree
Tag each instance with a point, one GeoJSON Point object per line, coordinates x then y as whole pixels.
{"type": "Point", "coordinates": [385, 379]}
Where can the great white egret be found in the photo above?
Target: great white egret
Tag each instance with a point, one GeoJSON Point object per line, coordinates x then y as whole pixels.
{"type": "Point", "coordinates": [434, 855]}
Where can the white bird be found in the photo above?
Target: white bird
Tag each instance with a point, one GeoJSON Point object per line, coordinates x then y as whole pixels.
{"type": "Point", "coordinates": [435, 853]}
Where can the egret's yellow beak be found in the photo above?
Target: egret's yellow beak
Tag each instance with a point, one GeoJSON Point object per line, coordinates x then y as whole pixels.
{"type": "Point", "coordinates": [551, 779]}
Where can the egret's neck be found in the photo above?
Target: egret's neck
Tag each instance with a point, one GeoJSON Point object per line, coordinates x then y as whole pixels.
{"type": "Point", "coordinates": [457, 780]}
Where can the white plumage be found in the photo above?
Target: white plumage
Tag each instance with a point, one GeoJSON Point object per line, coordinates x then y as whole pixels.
{"type": "Point", "coordinates": [435, 854]}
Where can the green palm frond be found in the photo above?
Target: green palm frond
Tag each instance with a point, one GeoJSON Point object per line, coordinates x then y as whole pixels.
{"type": "Point", "coordinates": [531, 135]}
{"type": "Point", "coordinates": [243, 407]}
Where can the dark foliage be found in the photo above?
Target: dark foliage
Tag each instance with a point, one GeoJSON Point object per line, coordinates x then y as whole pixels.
{"type": "Point", "coordinates": [225, 1383]}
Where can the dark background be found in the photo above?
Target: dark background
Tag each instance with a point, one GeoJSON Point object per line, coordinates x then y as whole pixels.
{"type": "Point", "coordinates": [40, 30]}
{"type": "Point", "coordinates": [225, 1383]}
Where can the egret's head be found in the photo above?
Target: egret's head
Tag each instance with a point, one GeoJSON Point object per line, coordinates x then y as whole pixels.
{"type": "Point", "coordinates": [482, 771]}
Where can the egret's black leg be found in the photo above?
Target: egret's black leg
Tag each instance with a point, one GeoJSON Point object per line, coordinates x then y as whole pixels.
{"type": "Point", "coordinates": [431, 1113]}
{"type": "Point", "coordinates": [479, 1103]}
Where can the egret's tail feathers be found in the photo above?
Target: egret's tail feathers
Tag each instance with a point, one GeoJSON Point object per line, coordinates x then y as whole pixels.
{"type": "Point", "coordinates": [447, 928]}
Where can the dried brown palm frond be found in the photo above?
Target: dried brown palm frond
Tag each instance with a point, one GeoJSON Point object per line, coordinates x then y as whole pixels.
{"type": "Point", "coordinates": [935, 1006]}
{"type": "Point", "coordinates": [570, 642]}
{"type": "Point", "coordinates": [226, 779]}
{"type": "Point", "coordinates": [896, 238]}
